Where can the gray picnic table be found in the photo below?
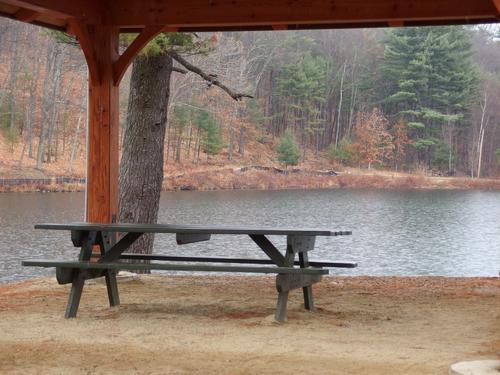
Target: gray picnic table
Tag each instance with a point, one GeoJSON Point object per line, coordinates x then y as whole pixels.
{"type": "Point", "coordinates": [114, 239]}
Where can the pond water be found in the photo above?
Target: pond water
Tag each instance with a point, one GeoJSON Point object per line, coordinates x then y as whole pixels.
{"type": "Point", "coordinates": [451, 233]}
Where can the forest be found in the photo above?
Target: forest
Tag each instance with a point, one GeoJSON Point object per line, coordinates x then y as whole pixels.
{"type": "Point", "coordinates": [402, 99]}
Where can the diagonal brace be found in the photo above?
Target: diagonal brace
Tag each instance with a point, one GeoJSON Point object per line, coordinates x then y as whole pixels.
{"type": "Point", "coordinates": [116, 250]}
{"type": "Point", "coordinates": [267, 247]}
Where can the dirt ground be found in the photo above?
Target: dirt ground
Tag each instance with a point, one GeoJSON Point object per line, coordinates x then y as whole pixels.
{"type": "Point", "coordinates": [224, 325]}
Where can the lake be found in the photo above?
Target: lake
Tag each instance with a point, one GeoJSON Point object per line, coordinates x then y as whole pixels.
{"type": "Point", "coordinates": [450, 233]}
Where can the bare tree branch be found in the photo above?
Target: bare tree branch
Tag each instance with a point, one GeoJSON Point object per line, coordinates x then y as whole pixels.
{"type": "Point", "coordinates": [179, 70]}
{"type": "Point", "coordinates": [210, 78]}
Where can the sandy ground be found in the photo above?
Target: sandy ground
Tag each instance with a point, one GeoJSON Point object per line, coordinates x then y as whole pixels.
{"type": "Point", "coordinates": [224, 325]}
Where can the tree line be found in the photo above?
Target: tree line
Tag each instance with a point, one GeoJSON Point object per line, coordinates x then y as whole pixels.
{"type": "Point", "coordinates": [407, 99]}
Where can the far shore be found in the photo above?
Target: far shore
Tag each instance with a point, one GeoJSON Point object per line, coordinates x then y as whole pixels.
{"type": "Point", "coordinates": [228, 179]}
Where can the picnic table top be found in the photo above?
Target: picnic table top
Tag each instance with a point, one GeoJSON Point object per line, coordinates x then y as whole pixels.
{"type": "Point", "coordinates": [191, 229]}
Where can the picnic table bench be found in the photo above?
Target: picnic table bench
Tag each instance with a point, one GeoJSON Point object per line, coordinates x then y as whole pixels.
{"type": "Point", "coordinates": [112, 257]}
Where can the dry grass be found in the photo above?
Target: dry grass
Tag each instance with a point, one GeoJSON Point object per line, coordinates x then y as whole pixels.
{"type": "Point", "coordinates": [206, 325]}
{"type": "Point", "coordinates": [42, 188]}
{"type": "Point", "coordinates": [227, 179]}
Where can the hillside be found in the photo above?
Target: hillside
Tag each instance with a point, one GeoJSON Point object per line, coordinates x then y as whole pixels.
{"type": "Point", "coordinates": [343, 96]}
{"type": "Point", "coordinates": [257, 169]}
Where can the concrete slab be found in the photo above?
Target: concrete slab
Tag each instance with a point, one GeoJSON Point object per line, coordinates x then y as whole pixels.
{"type": "Point", "coordinates": [479, 367]}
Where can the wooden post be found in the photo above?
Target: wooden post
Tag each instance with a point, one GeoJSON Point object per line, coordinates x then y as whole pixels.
{"type": "Point", "coordinates": [99, 44]}
{"type": "Point", "coordinates": [106, 68]}
{"type": "Point", "coordinates": [103, 125]}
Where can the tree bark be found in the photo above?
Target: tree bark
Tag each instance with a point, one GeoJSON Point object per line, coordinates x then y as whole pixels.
{"type": "Point", "coordinates": [241, 143]}
{"type": "Point", "coordinates": [141, 167]}
{"type": "Point", "coordinates": [51, 61]}
{"type": "Point", "coordinates": [482, 129]}
{"type": "Point", "coordinates": [54, 111]}
{"type": "Point", "coordinates": [230, 145]}
{"type": "Point", "coordinates": [339, 114]}
{"type": "Point", "coordinates": [31, 111]}
{"type": "Point", "coordinates": [76, 137]}
{"type": "Point", "coordinates": [14, 66]}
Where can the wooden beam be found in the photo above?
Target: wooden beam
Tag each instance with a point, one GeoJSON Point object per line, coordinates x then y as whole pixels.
{"type": "Point", "coordinates": [193, 14]}
{"type": "Point", "coordinates": [172, 267]}
{"type": "Point", "coordinates": [91, 10]}
{"type": "Point", "coordinates": [27, 15]}
{"type": "Point", "coordinates": [80, 30]}
{"type": "Point", "coordinates": [496, 3]}
{"type": "Point", "coordinates": [285, 283]}
{"type": "Point", "coordinates": [396, 23]}
{"type": "Point", "coordinates": [279, 27]}
{"type": "Point", "coordinates": [123, 62]}
{"type": "Point", "coordinates": [102, 151]}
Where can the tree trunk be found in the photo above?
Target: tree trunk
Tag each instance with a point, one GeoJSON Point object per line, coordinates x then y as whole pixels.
{"type": "Point", "coordinates": [31, 111]}
{"type": "Point", "coordinates": [54, 111]}
{"type": "Point", "coordinates": [230, 145]}
{"type": "Point", "coordinates": [178, 147]}
{"type": "Point", "coordinates": [482, 128]}
{"type": "Point", "coordinates": [241, 143]}
{"type": "Point", "coordinates": [76, 137]}
{"type": "Point", "coordinates": [51, 57]}
{"type": "Point", "coordinates": [14, 66]}
{"type": "Point", "coordinates": [189, 141]}
{"type": "Point", "coordinates": [339, 114]}
{"type": "Point", "coordinates": [141, 167]}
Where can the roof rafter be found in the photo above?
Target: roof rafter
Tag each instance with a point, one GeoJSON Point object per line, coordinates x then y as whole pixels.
{"type": "Point", "coordinates": [81, 32]}
{"type": "Point", "coordinates": [207, 15]}
{"type": "Point", "coordinates": [26, 15]}
{"type": "Point", "coordinates": [497, 5]}
{"type": "Point", "coordinates": [121, 65]}
{"type": "Point", "coordinates": [91, 10]}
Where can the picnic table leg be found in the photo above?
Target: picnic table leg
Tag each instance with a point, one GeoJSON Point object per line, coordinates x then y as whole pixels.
{"type": "Point", "coordinates": [75, 294]}
{"type": "Point", "coordinates": [280, 314]}
{"type": "Point", "coordinates": [112, 286]}
{"type": "Point", "coordinates": [307, 290]}
{"type": "Point", "coordinates": [106, 241]}
{"type": "Point", "coordinates": [87, 241]}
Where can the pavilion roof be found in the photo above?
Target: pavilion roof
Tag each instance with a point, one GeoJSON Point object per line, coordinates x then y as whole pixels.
{"type": "Point", "coordinates": [206, 15]}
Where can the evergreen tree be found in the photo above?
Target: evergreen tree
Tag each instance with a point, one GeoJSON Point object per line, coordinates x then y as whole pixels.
{"type": "Point", "coordinates": [430, 81]}
{"type": "Point", "coordinates": [181, 120]}
{"type": "Point", "coordinates": [342, 153]}
{"type": "Point", "coordinates": [288, 151]}
{"type": "Point", "coordinates": [301, 85]}
{"type": "Point", "coordinates": [212, 141]}
{"type": "Point", "coordinates": [401, 140]}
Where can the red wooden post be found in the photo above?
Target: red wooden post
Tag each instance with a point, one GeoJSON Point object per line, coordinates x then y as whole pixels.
{"type": "Point", "coordinates": [100, 46]}
{"type": "Point", "coordinates": [106, 68]}
{"type": "Point", "coordinates": [103, 112]}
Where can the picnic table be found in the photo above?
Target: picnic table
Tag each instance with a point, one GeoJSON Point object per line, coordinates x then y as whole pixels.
{"type": "Point", "coordinates": [114, 239]}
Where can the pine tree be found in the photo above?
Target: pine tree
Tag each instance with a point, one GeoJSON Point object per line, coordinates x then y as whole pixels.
{"type": "Point", "coordinates": [430, 81]}
{"type": "Point", "coordinates": [400, 142]}
{"type": "Point", "coordinates": [181, 119]}
{"type": "Point", "coordinates": [212, 142]}
{"type": "Point", "coordinates": [302, 86]}
{"type": "Point", "coordinates": [288, 151]}
{"type": "Point", "coordinates": [342, 153]}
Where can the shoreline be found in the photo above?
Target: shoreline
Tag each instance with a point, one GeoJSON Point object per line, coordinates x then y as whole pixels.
{"type": "Point", "coordinates": [259, 180]}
